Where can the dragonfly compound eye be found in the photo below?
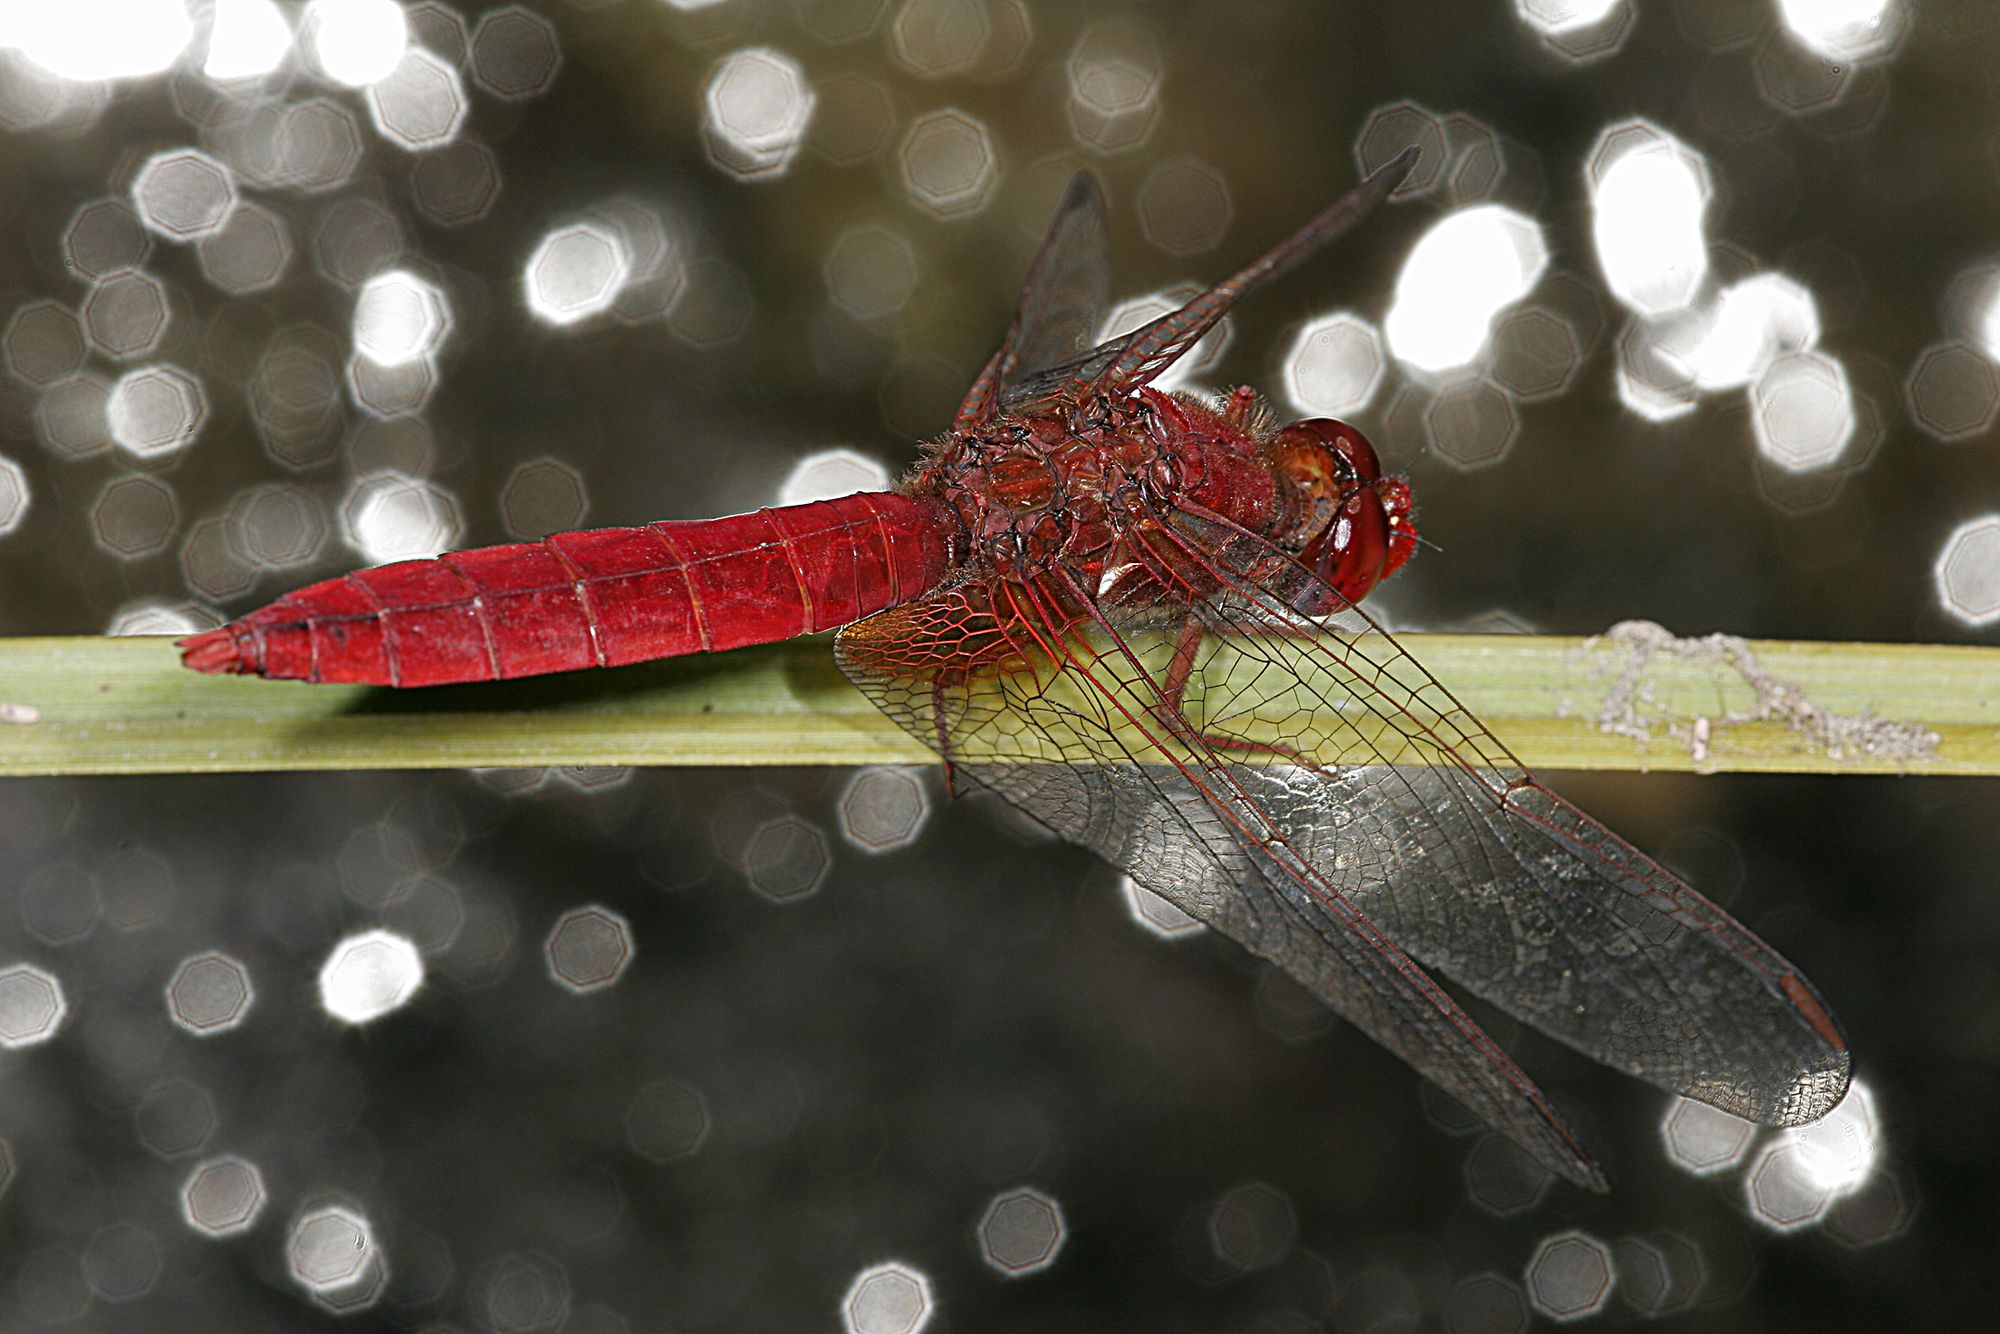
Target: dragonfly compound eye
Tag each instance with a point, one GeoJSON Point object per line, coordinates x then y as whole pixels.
{"type": "Point", "coordinates": [1349, 526]}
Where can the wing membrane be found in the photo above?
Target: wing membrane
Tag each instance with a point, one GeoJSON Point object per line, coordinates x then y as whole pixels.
{"type": "Point", "coordinates": [1206, 834]}
{"type": "Point", "coordinates": [1066, 288]}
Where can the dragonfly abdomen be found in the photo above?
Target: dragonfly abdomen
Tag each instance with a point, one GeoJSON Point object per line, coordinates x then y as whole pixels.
{"type": "Point", "coordinates": [596, 598]}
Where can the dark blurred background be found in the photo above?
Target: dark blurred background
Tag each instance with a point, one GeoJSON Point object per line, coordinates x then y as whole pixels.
{"type": "Point", "coordinates": [781, 1049]}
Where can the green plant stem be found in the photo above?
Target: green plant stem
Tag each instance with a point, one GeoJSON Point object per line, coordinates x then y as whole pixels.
{"type": "Point", "coordinates": [125, 706]}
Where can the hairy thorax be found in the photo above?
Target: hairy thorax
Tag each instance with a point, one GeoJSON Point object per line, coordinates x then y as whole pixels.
{"type": "Point", "coordinates": [1074, 486]}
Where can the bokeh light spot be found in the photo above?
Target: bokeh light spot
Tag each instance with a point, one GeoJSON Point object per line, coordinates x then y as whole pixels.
{"type": "Point", "coordinates": [184, 194]}
{"type": "Point", "coordinates": [1570, 1276]}
{"type": "Point", "coordinates": [369, 975]}
{"type": "Point", "coordinates": [1021, 1232]}
{"type": "Point", "coordinates": [1155, 915]}
{"type": "Point", "coordinates": [210, 993]}
{"type": "Point", "coordinates": [357, 41]}
{"type": "Point", "coordinates": [827, 474]}
{"type": "Point", "coordinates": [1704, 1140]}
{"type": "Point", "coordinates": [31, 1006]}
{"type": "Point", "coordinates": [420, 105]}
{"type": "Point", "coordinates": [883, 808]}
{"type": "Point", "coordinates": [223, 1196]}
{"type": "Point", "coordinates": [1184, 206]}
{"type": "Point", "coordinates": [576, 272]}
{"type": "Point", "coordinates": [1335, 365]}
{"type": "Point", "coordinates": [399, 319]}
{"type": "Point", "coordinates": [514, 54]}
{"type": "Point", "coordinates": [588, 949]}
{"type": "Point", "coordinates": [1469, 267]}
{"type": "Point", "coordinates": [392, 516]}
{"type": "Point", "coordinates": [667, 1121]}
{"type": "Point", "coordinates": [1967, 573]}
{"type": "Point", "coordinates": [757, 108]}
{"type": "Point", "coordinates": [888, 1298]}
{"type": "Point", "coordinates": [1649, 196]}
{"type": "Point", "coordinates": [948, 163]}
{"type": "Point", "coordinates": [330, 1248]}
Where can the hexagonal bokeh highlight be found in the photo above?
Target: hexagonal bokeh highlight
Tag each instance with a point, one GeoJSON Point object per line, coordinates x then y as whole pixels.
{"type": "Point", "coordinates": [870, 271]}
{"type": "Point", "coordinates": [883, 808]}
{"type": "Point", "coordinates": [1021, 1232]}
{"type": "Point", "coordinates": [400, 318]}
{"type": "Point", "coordinates": [514, 54]}
{"type": "Point", "coordinates": [421, 106]}
{"type": "Point", "coordinates": [757, 108]}
{"type": "Point", "coordinates": [457, 183]}
{"type": "Point", "coordinates": [1335, 365]}
{"type": "Point", "coordinates": [1115, 76]}
{"type": "Point", "coordinates": [576, 271]}
{"type": "Point", "coordinates": [391, 516]}
{"type": "Point", "coordinates": [543, 496]}
{"type": "Point", "coordinates": [1783, 1190]}
{"type": "Point", "coordinates": [125, 314]}
{"type": "Point", "coordinates": [1399, 125]}
{"type": "Point", "coordinates": [1536, 353]}
{"type": "Point", "coordinates": [1578, 30]}
{"type": "Point", "coordinates": [1472, 423]}
{"type": "Point", "coordinates": [1471, 265]}
{"type": "Point", "coordinates": [828, 473]}
{"type": "Point", "coordinates": [1802, 411]}
{"type": "Point", "coordinates": [223, 1196]}
{"type": "Point", "coordinates": [1570, 1276]}
{"type": "Point", "coordinates": [854, 120]}
{"type": "Point", "coordinates": [134, 517]}
{"type": "Point", "coordinates": [370, 975]}
{"type": "Point", "coordinates": [356, 42]}
{"type": "Point", "coordinates": [43, 343]}
{"type": "Point", "coordinates": [1155, 915]}
{"type": "Point", "coordinates": [1136, 312]}
{"type": "Point", "coordinates": [1967, 573]}
{"type": "Point", "coordinates": [524, 1292]}
{"type": "Point", "coordinates": [1844, 31]}
{"type": "Point", "coordinates": [14, 495]}
{"type": "Point", "coordinates": [1485, 1303]}
{"type": "Point", "coordinates": [1649, 196]}
{"type": "Point", "coordinates": [940, 39]}
{"type": "Point", "coordinates": [887, 1298]}
{"type": "Point", "coordinates": [330, 1248]}
{"type": "Point", "coordinates": [122, 1263]}
{"type": "Point", "coordinates": [210, 993]}
{"type": "Point", "coordinates": [357, 239]}
{"type": "Point", "coordinates": [32, 1007]}
{"type": "Point", "coordinates": [667, 1121]}
{"type": "Point", "coordinates": [1704, 1140]}
{"type": "Point", "coordinates": [1881, 1210]}
{"type": "Point", "coordinates": [1841, 1149]}
{"type": "Point", "coordinates": [588, 949]}
{"type": "Point", "coordinates": [155, 410]}
{"type": "Point", "coordinates": [948, 163]}
{"type": "Point", "coordinates": [786, 859]}
{"type": "Point", "coordinates": [104, 236]}
{"type": "Point", "coordinates": [1953, 392]}
{"type": "Point", "coordinates": [1253, 1226]}
{"type": "Point", "coordinates": [183, 194]}
{"type": "Point", "coordinates": [176, 1118]}
{"type": "Point", "coordinates": [1503, 1179]}
{"type": "Point", "coordinates": [1184, 206]}
{"type": "Point", "coordinates": [249, 253]}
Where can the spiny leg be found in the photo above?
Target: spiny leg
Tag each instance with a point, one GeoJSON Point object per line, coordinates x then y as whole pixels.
{"type": "Point", "coordinates": [1173, 717]}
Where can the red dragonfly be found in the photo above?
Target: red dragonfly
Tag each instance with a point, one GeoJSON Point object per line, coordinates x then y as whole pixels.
{"type": "Point", "coordinates": [1133, 614]}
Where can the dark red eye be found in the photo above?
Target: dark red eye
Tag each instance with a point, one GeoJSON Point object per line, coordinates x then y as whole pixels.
{"type": "Point", "coordinates": [1350, 527]}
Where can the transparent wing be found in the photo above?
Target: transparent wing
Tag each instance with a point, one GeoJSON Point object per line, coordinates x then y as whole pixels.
{"type": "Point", "coordinates": [1130, 360]}
{"type": "Point", "coordinates": [1321, 798]}
{"type": "Point", "coordinates": [1065, 290]}
{"type": "Point", "coordinates": [1156, 346]}
{"type": "Point", "coordinates": [1014, 697]}
{"type": "Point", "coordinates": [1482, 872]}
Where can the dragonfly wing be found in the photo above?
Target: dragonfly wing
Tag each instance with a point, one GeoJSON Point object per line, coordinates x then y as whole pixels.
{"type": "Point", "coordinates": [1481, 872]}
{"type": "Point", "coordinates": [1066, 288]}
{"type": "Point", "coordinates": [1058, 712]}
{"type": "Point", "coordinates": [1133, 359]}
{"type": "Point", "coordinates": [1156, 346]}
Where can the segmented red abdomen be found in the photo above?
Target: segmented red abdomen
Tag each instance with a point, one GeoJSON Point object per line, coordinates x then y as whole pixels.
{"type": "Point", "coordinates": [597, 598]}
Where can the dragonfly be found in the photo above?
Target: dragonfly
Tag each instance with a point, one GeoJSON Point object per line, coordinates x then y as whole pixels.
{"type": "Point", "coordinates": [1135, 615]}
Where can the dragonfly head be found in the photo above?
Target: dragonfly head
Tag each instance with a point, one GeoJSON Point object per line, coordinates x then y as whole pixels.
{"type": "Point", "coordinates": [1350, 525]}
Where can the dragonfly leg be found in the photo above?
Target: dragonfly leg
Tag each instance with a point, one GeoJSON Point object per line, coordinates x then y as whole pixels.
{"type": "Point", "coordinates": [943, 737]}
{"type": "Point", "coordinates": [1173, 691]}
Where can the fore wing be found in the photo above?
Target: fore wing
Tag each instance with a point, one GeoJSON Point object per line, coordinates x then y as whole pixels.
{"type": "Point", "coordinates": [1275, 814]}
{"type": "Point", "coordinates": [1065, 290]}
{"type": "Point", "coordinates": [1056, 719]}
